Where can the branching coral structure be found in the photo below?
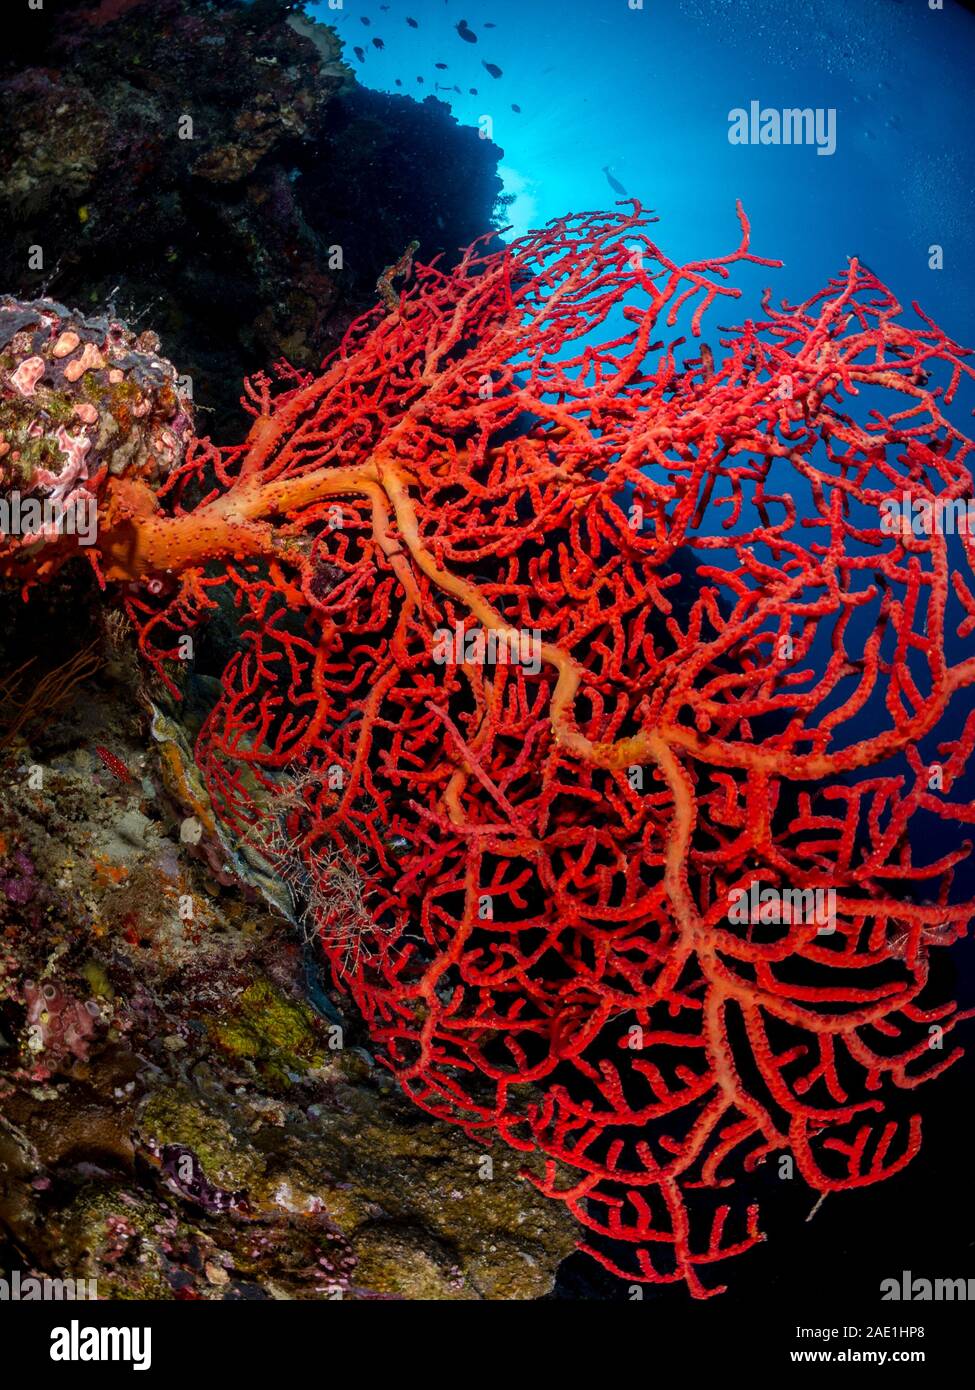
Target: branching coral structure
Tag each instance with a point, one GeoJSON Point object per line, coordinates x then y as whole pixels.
{"type": "Point", "coordinates": [630, 688]}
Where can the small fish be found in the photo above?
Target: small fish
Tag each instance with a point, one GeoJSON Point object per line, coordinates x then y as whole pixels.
{"type": "Point", "coordinates": [490, 26]}
{"type": "Point", "coordinates": [115, 765]}
{"type": "Point", "coordinates": [399, 81]}
{"type": "Point", "coordinates": [378, 43]}
{"type": "Point", "coordinates": [441, 66]}
{"type": "Point", "coordinates": [412, 23]}
{"type": "Point", "coordinates": [473, 91]}
{"type": "Point", "coordinates": [492, 68]}
{"type": "Point", "coordinates": [516, 108]}
{"type": "Point", "coordinates": [614, 184]}
{"type": "Point", "coordinates": [456, 89]}
{"type": "Point", "coordinates": [466, 32]}
{"type": "Point", "coordinates": [420, 80]}
{"type": "Point", "coordinates": [364, 18]}
{"type": "Point", "coordinates": [359, 54]}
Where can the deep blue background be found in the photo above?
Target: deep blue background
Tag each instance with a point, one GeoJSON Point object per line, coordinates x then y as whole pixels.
{"type": "Point", "coordinates": [648, 93]}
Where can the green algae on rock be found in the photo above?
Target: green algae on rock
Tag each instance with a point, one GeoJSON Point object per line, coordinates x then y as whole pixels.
{"type": "Point", "coordinates": [277, 1163]}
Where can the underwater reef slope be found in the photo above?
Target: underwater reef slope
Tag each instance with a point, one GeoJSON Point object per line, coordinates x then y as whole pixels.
{"type": "Point", "coordinates": [215, 169]}
{"type": "Point", "coordinates": [177, 1120]}
{"type": "Point", "coordinates": [618, 869]}
{"type": "Point", "coordinates": [184, 1111]}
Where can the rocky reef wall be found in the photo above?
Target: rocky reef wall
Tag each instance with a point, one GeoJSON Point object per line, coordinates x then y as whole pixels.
{"type": "Point", "coordinates": [214, 170]}
{"type": "Point", "coordinates": [185, 1112]}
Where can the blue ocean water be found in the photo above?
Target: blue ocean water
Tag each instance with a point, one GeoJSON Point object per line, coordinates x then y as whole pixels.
{"type": "Point", "coordinates": [647, 91]}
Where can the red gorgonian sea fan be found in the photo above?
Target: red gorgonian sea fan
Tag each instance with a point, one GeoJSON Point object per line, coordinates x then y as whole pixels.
{"type": "Point", "coordinates": [572, 644]}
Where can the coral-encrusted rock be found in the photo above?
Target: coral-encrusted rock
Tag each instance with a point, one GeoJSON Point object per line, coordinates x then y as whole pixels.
{"type": "Point", "coordinates": [176, 1119]}
{"type": "Point", "coordinates": [200, 163]}
{"type": "Point", "coordinates": [81, 399]}
{"type": "Point", "coordinates": [57, 136]}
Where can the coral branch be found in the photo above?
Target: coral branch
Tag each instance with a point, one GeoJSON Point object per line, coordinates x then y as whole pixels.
{"type": "Point", "coordinates": [627, 684]}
